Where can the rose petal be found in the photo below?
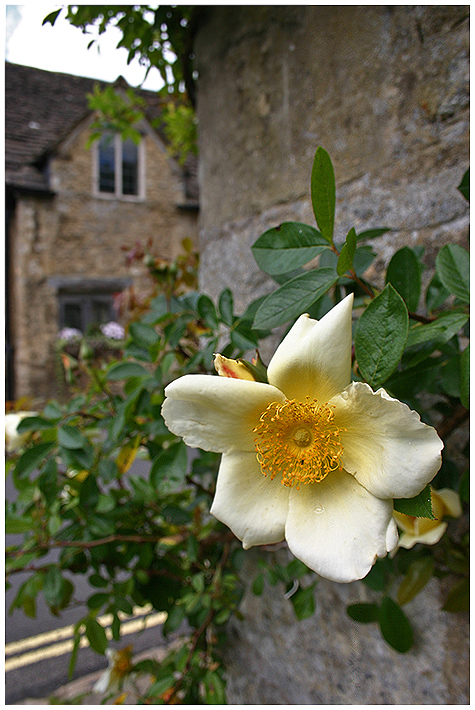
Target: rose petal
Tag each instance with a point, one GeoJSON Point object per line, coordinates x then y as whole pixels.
{"type": "Point", "coordinates": [385, 446]}
{"type": "Point", "coordinates": [216, 413]}
{"type": "Point", "coordinates": [253, 506]}
{"type": "Point", "coordinates": [430, 537]}
{"type": "Point", "coordinates": [314, 359]}
{"type": "Point", "coordinates": [337, 528]}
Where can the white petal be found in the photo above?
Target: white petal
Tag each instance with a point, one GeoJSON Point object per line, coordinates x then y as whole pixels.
{"type": "Point", "coordinates": [216, 413]}
{"type": "Point", "coordinates": [430, 537]}
{"type": "Point", "coordinates": [386, 446]}
{"type": "Point", "coordinates": [337, 528]}
{"type": "Point", "coordinates": [253, 506]}
{"type": "Point", "coordinates": [314, 359]}
{"type": "Point", "coordinates": [450, 500]}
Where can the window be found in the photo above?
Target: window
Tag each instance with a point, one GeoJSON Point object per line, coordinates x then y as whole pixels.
{"type": "Point", "coordinates": [119, 165]}
{"type": "Point", "coordinates": [87, 303]}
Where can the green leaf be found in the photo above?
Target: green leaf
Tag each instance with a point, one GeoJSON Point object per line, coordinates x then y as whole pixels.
{"type": "Point", "coordinates": [207, 311]}
{"type": "Point", "coordinates": [258, 585]}
{"type": "Point", "coordinates": [144, 335]}
{"type": "Point", "coordinates": [96, 635]}
{"type": "Point", "coordinates": [303, 602]}
{"type": "Point", "coordinates": [32, 458]}
{"type": "Point", "coordinates": [226, 305]}
{"type": "Point", "coordinates": [417, 576]}
{"type": "Point", "coordinates": [214, 689]}
{"type": "Point", "coordinates": [404, 273]}
{"type": "Point", "coordinates": [53, 586]}
{"type": "Point", "coordinates": [347, 254]}
{"type": "Point", "coordinates": [293, 298]}
{"type": "Point", "coordinates": [33, 424]}
{"type": "Point", "coordinates": [51, 18]}
{"type": "Point", "coordinates": [420, 506]}
{"type": "Point", "coordinates": [465, 377]}
{"type": "Point", "coordinates": [97, 600]}
{"type": "Point", "coordinates": [395, 626]}
{"type": "Point", "coordinates": [453, 268]}
{"type": "Point", "coordinates": [458, 599]}
{"type": "Point", "coordinates": [170, 465]}
{"type": "Point", "coordinates": [15, 526]}
{"type": "Point", "coordinates": [442, 330]}
{"type": "Point", "coordinates": [125, 370]}
{"type": "Point", "coordinates": [322, 189]}
{"type": "Point", "coordinates": [287, 247]}
{"type": "Point", "coordinates": [175, 617]}
{"type": "Point", "coordinates": [372, 233]}
{"type": "Point", "coordinates": [381, 336]}
{"type": "Point", "coordinates": [364, 613]}
{"type": "Point", "coordinates": [436, 293]}
{"type": "Point", "coordinates": [464, 187]}
{"type": "Point", "coordinates": [71, 438]}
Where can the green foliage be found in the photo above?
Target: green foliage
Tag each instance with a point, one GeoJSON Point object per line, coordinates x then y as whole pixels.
{"type": "Point", "coordinates": [105, 483]}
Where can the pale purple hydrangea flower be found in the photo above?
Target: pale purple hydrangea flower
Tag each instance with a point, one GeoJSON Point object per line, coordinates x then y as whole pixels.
{"type": "Point", "coordinates": [113, 330]}
{"type": "Point", "coordinates": [69, 334]}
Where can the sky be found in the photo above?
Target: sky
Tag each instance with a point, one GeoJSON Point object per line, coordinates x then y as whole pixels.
{"type": "Point", "coordinates": [63, 47]}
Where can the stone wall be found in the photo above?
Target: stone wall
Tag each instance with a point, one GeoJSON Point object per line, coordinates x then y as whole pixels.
{"type": "Point", "coordinates": [384, 89]}
{"type": "Point", "coordinates": [74, 235]}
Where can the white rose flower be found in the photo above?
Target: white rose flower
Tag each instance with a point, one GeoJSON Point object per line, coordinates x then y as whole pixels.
{"type": "Point", "coordinates": [311, 457]}
{"type": "Point", "coordinates": [14, 440]}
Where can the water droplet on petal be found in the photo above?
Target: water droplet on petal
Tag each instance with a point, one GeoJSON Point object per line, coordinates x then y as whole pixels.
{"type": "Point", "coordinates": [319, 508]}
{"type": "Point", "coordinates": [344, 395]}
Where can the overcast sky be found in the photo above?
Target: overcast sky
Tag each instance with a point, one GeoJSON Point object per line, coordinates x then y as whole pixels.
{"type": "Point", "coordinates": [63, 47]}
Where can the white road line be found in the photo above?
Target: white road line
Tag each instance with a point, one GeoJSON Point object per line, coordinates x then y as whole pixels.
{"type": "Point", "coordinates": [59, 649]}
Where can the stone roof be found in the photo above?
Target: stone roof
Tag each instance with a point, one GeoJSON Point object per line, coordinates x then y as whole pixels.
{"type": "Point", "coordinates": [41, 109]}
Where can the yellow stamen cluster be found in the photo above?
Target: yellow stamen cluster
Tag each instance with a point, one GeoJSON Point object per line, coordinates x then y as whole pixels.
{"type": "Point", "coordinates": [299, 441]}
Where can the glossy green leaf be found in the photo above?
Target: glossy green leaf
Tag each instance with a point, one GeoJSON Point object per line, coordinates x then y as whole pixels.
{"type": "Point", "coordinates": [453, 268]}
{"type": "Point", "coordinates": [32, 458]}
{"type": "Point", "coordinates": [420, 506]}
{"type": "Point", "coordinates": [464, 187]}
{"type": "Point", "coordinates": [372, 233]}
{"type": "Point", "coordinates": [144, 335]}
{"type": "Point", "coordinates": [53, 586]}
{"type": "Point", "coordinates": [71, 438]}
{"type": "Point", "coordinates": [416, 578]}
{"type": "Point", "coordinates": [33, 424]}
{"type": "Point", "coordinates": [465, 377]}
{"type": "Point", "coordinates": [395, 626]}
{"type": "Point", "coordinates": [436, 293]}
{"type": "Point", "coordinates": [347, 254]}
{"type": "Point", "coordinates": [207, 311]}
{"type": "Point", "coordinates": [226, 306]}
{"type": "Point", "coordinates": [458, 599]}
{"type": "Point", "coordinates": [323, 193]}
{"type": "Point", "coordinates": [442, 330]}
{"type": "Point", "coordinates": [258, 585]}
{"type": "Point", "coordinates": [404, 273]}
{"type": "Point", "coordinates": [364, 613]}
{"type": "Point", "coordinates": [381, 336]}
{"type": "Point", "coordinates": [125, 370]}
{"type": "Point", "coordinates": [293, 298]}
{"type": "Point", "coordinates": [174, 619]}
{"type": "Point", "coordinates": [303, 601]}
{"type": "Point", "coordinates": [287, 247]}
{"type": "Point", "coordinates": [96, 635]}
{"type": "Point", "coordinates": [170, 466]}
{"type": "Point", "coordinates": [214, 689]}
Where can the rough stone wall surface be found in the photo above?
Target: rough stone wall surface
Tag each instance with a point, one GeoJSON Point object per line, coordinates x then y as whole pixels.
{"type": "Point", "coordinates": [328, 659]}
{"type": "Point", "coordinates": [75, 234]}
{"type": "Point", "coordinates": [384, 89]}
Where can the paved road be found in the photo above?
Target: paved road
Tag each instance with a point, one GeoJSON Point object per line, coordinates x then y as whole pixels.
{"type": "Point", "coordinates": [38, 650]}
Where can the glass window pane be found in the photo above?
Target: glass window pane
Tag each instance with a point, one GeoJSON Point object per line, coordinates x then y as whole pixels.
{"type": "Point", "coordinates": [73, 316]}
{"type": "Point", "coordinates": [101, 311]}
{"type": "Point", "coordinates": [130, 183]}
{"type": "Point", "coordinates": [106, 164]}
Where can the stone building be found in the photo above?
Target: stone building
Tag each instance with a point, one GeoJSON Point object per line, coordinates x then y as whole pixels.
{"type": "Point", "coordinates": [70, 209]}
{"type": "Point", "coordinates": [384, 89]}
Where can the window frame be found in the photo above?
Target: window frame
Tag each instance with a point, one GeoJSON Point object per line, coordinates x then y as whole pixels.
{"type": "Point", "coordinates": [118, 193]}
